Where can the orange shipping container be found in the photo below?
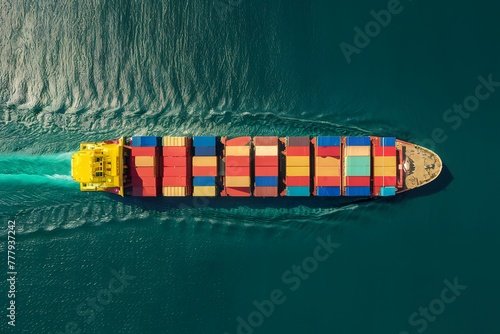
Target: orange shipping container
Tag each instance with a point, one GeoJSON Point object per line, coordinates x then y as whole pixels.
{"type": "Point", "coordinates": [204, 170]}
{"type": "Point", "coordinates": [144, 171]}
{"type": "Point", "coordinates": [327, 162]}
{"type": "Point", "coordinates": [297, 171]}
{"type": "Point", "coordinates": [327, 181]}
{"type": "Point", "coordinates": [204, 161]}
{"type": "Point", "coordinates": [141, 161]}
{"type": "Point", "coordinates": [175, 151]}
{"type": "Point", "coordinates": [238, 171]}
{"type": "Point", "coordinates": [298, 181]}
{"type": "Point", "coordinates": [176, 171]}
{"type": "Point", "coordinates": [384, 171]}
{"type": "Point", "coordinates": [384, 161]}
{"type": "Point", "coordinates": [359, 151]}
{"type": "Point", "coordinates": [175, 161]}
{"type": "Point", "coordinates": [237, 181]}
{"type": "Point", "coordinates": [175, 181]}
{"type": "Point", "coordinates": [238, 191]}
{"type": "Point", "coordinates": [327, 171]}
{"type": "Point", "coordinates": [296, 161]}
{"type": "Point", "coordinates": [238, 151]}
{"type": "Point", "coordinates": [266, 171]}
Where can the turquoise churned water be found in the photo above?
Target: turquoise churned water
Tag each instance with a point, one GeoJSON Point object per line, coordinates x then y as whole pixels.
{"type": "Point", "coordinates": [425, 261]}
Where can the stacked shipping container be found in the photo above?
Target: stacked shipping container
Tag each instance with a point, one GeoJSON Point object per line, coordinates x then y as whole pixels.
{"type": "Point", "coordinates": [205, 163]}
{"type": "Point", "coordinates": [327, 164]}
{"type": "Point", "coordinates": [298, 181]}
{"type": "Point", "coordinates": [266, 166]}
{"type": "Point", "coordinates": [237, 181]}
{"type": "Point", "coordinates": [176, 179]}
{"type": "Point", "coordinates": [357, 166]}
{"type": "Point", "coordinates": [384, 167]}
{"type": "Point", "coordinates": [144, 166]}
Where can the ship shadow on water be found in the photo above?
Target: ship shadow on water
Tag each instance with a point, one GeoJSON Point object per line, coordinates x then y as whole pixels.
{"type": "Point", "coordinates": [165, 204]}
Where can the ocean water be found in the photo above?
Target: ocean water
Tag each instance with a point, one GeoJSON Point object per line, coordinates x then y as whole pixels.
{"type": "Point", "coordinates": [74, 71]}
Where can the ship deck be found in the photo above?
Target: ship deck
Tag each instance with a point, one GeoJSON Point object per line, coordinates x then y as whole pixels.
{"type": "Point", "coordinates": [420, 165]}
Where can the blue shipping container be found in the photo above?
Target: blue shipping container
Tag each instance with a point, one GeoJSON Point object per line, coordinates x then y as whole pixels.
{"type": "Point", "coordinates": [387, 141]}
{"type": "Point", "coordinates": [357, 191]}
{"type": "Point", "coordinates": [387, 191]}
{"type": "Point", "coordinates": [204, 181]}
{"type": "Point", "coordinates": [266, 181]}
{"type": "Point", "coordinates": [146, 141]}
{"type": "Point", "coordinates": [297, 191]}
{"type": "Point", "coordinates": [204, 141]}
{"type": "Point", "coordinates": [206, 151]}
{"type": "Point", "coordinates": [328, 141]}
{"type": "Point", "coordinates": [327, 191]}
{"type": "Point", "coordinates": [358, 141]}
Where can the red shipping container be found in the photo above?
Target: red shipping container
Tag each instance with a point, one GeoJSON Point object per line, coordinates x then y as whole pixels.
{"type": "Point", "coordinates": [237, 161]}
{"type": "Point", "coordinates": [265, 191]}
{"type": "Point", "coordinates": [388, 151]}
{"type": "Point", "coordinates": [292, 151]}
{"type": "Point", "coordinates": [145, 191]}
{"type": "Point", "coordinates": [328, 151]}
{"type": "Point", "coordinates": [144, 171]}
{"type": "Point", "coordinates": [145, 181]}
{"type": "Point", "coordinates": [238, 171]}
{"type": "Point", "coordinates": [376, 191]}
{"type": "Point", "coordinates": [175, 171]}
{"type": "Point", "coordinates": [262, 161]}
{"type": "Point", "coordinates": [175, 161]}
{"type": "Point", "coordinates": [357, 181]}
{"type": "Point", "coordinates": [327, 181]}
{"type": "Point", "coordinates": [204, 170]}
{"type": "Point", "coordinates": [240, 141]}
{"type": "Point", "coordinates": [238, 191]}
{"type": "Point", "coordinates": [175, 181]}
{"type": "Point", "coordinates": [266, 171]}
{"type": "Point", "coordinates": [176, 151]}
{"type": "Point", "coordinates": [298, 181]}
{"type": "Point", "coordinates": [387, 181]}
{"type": "Point", "coordinates": [145, 151]}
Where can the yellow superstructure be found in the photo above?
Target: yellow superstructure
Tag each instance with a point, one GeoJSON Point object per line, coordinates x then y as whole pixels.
{"type": "Point", "coordinates": [99, 166]}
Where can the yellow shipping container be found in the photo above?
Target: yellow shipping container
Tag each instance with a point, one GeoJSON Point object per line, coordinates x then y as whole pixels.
{"type": "Point", "coordinates": [297, 171]}
{"type": "Point", "coordinates": [237, 181]}
{"type": "Point", "coordinates": [204, 161]}
{"type": "Point", "coordinates": [357, 151]}
{"type": "Point", "coordinates": [209, 191]}
{"type": "Point", "coordinates": [327, 162]}
{"type": "Point", "coordinates": [266, 150]}
{"type": "Point", "coordinates": [142, 161]}
{"type": "Point", "coordinates": [384, 161]}
{"type": "Point", "coordinates": [174, 191]}
{"type": "Point", "coordinates": [174, 141]}
{"type": "Point", "coordinates": [297, 161]}
{"type": "Point", "coordinates": [327, 171]}
{"type": "Point", "coordinates": [384, 171]}
{"type": "Point", "coordinates": [238, 151]}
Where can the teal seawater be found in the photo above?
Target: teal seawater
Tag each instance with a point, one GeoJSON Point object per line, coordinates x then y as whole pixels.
{"type": "Point", "coordinates": [77, 71]}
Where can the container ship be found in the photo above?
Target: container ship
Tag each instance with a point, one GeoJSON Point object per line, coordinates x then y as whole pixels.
{"type": "Point", "coordinates": [148, 166]}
